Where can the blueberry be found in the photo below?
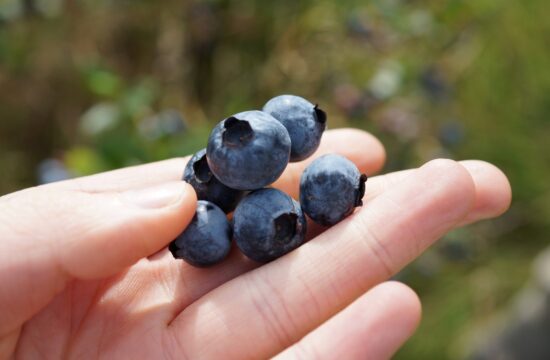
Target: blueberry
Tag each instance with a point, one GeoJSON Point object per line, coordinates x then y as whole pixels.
{"type": "Point", "coordinates": [198, 174]}
{"type": "Point", "coordinates": [206, 240]}
{"type": "Point", "coordinates": [304, 122]}
{"type": "Point", "coordinates": [248, 151]}
{"type": "Point", "coordinates": [330, 188]}
{"type": "Point", "coordinates": [268, 224]}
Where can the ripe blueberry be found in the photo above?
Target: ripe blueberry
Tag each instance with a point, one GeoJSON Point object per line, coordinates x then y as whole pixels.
{"type": "Point", "coordinates": [206, 240]}
{"type": "Point", "coordinates": [198, 174]}
{"type": "Point", "coordinates": [330, 188]}
{"type": "Point", "coordinates": [268, 224]}
{"type": "Point", "coordinates": [304, 122]}
{"type": "Point", "coordinates": [249, 150]}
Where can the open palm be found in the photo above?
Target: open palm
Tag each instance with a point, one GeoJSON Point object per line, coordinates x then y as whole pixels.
{"type": "Point", "coordinates": [83, 273]}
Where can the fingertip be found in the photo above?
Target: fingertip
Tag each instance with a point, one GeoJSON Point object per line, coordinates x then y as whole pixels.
{"type": "Point", "coordinates": [456, 183]}
{"type": "Point", "coordinates": [364, 149]}
{"type": "Point", "coordinates": [186, 202]}
{"type": "Point", "coordinates": [493, 189]}
{"type": "Point", "coordinates": [409, 309]}
{"type": "Point", "coordinates": [391, 311]}
{"type": "Point", "coordinates": [181, 212]}
{"type": "Point", "coordinates": [189, 196]}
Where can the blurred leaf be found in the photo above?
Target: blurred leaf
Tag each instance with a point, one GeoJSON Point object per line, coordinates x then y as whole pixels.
{"type": "Point", "coordinates": [10, 9]}
{"type": "Point", "coordinates": [49, 8]}
{"type": "Point", "coordinates": [84, 161]}
{"type": "Point", "coordinates": [103, 83]}
{"type": "Point", "coordinates": [138, 99]}
{"type": "Point", "coordinates": [99, 118]}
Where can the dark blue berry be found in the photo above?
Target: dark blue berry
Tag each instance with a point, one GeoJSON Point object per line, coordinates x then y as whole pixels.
{"type": "Point", "coordinates": [304, 122]}
{"type": "Point", "coordinates": [207, 239]}
{"type": "Point", "coordinates": [198, 174]}
{"type": "Point", "coordinates": [268, 224]}
{"type": "Point", "coordinates": [249, 150]}
{"type": "Point", "coordinates": [330, 189]}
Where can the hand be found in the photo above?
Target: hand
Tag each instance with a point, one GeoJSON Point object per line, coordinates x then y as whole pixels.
{"type": "Point", "coordinates": [83, 273]}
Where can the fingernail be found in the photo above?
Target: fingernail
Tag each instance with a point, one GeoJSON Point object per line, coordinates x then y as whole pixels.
{"type": "Point", "coordinates": [156, 197]}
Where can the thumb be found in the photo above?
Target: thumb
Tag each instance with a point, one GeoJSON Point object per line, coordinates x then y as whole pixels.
{"type": "Point", "coordinates": [51, 235]}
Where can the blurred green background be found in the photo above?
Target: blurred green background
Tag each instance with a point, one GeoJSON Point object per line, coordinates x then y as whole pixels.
{"type": "Point", "coordinates": [87, 86]}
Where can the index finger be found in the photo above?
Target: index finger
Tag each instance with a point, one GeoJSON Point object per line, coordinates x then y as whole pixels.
{"type": "Point", "coordinates": [359, 146]}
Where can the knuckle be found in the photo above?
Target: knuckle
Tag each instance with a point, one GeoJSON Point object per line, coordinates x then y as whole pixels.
{"type": "Point", "coordinates": [271, 310]}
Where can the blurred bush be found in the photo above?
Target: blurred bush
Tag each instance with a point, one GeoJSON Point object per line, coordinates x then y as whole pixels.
{"type": "Point", "coordinates": [88, 86]}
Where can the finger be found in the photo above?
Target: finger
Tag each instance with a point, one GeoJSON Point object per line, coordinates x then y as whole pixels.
{"type": "Point", "coordinates": [133, 177]}
{"type": "Point", "coordinates": [359, 146]}
{"type": "Point", "coordinates": [8, 344]}
{"type": "Point", "coordinates": [51, 236]}
{"type": "Point", "coordinates": [493, 191]}
{"type": "Point", "coordinates": [287, 298]}
{"type": "Point", "coordinates": [374, 327]}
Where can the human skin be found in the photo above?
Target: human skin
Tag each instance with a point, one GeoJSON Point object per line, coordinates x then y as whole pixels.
{"type": "Point", "coordinates": [85, 273]}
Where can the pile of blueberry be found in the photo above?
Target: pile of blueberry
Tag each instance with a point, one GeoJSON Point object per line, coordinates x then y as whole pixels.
{"type": "Point", "coordinates": [247, 152]}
